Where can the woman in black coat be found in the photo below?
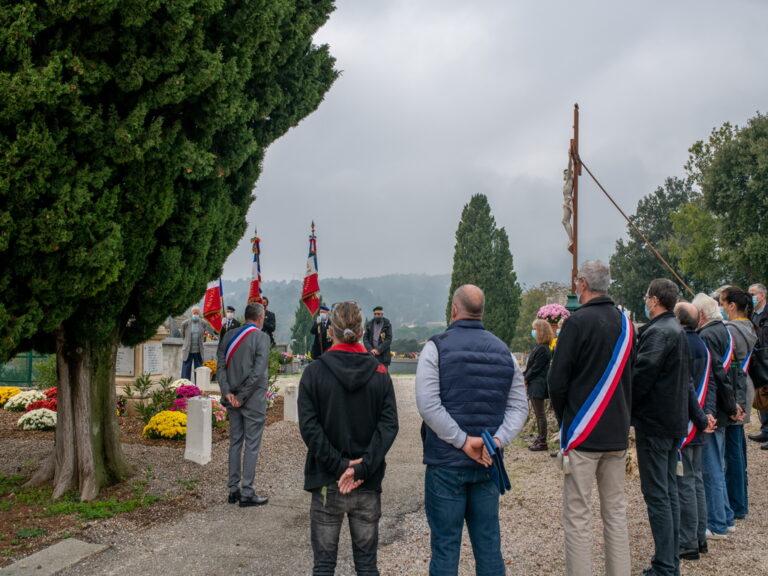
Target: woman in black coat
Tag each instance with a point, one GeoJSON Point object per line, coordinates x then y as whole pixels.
{"type": "Point", "coordinates": [536, 379]}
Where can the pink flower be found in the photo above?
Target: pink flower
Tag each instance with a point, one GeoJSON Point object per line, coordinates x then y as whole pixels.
{"type": "Point", "coordinates": [553, 313]}
{"type": "Point", "coordinates": [179, 405]}
{"type": "Point", "coordinates": [188, 391]}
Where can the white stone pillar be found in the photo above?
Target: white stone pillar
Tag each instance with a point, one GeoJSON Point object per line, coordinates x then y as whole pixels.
{"type": "Point", "coordinates": [203, 378]}
{"type": "Point", "coordinates": [291, 403]}
{"type": "Point", "coordinates": [199, 430]}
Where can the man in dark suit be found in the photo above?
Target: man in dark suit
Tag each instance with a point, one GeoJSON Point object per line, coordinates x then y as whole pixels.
{"type": "Point", "coordinates": [229, 323]}
{"type": "Point", "coordinates": [321, 330]}
{"type": "Point", "coordinates": [378, 336]}
{"type": "Point", "coordinates": [270, 322]}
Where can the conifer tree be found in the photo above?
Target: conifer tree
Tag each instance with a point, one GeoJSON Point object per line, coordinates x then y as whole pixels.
{"type": "Point", "coordinates": [482, 257]}
{"type": "Point", "coordinates": [131, 137]}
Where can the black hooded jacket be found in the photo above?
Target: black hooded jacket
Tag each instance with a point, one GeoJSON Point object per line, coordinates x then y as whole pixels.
{"type": "Point", "coordinates": [347, 410]}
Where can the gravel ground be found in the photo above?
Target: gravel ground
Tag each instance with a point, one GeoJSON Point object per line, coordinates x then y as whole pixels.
{"type": "Point", "coordinates": [532, 536]}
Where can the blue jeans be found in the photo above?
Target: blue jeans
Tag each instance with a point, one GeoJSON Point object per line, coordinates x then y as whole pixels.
{"type": "Point", "coordinates": [186, 366]}
{"type": "Point", "coordinates": [453, 496]}
{"type": "Point", "coordinates": [714, 482]}
{"type": "Point", "coordinates": [363, 510]}
{"type": "Point", "coordinates": [657, 461]}
{"type": "Point", "coordinates": [736, 471]}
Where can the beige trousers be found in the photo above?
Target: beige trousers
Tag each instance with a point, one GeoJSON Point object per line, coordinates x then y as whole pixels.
{"type": "Point", "coordinates": [608, 469]}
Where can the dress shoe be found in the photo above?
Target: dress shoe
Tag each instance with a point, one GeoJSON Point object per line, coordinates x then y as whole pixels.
{"type": "Point", "coordinates": [253, 501]}
{"type": "Point", "coordinates": [234, 497]}
{"type": "Point", "coordinates": [764, 446]}
{"type": "Point", "coordinates": [703, 548]}
{"type": "Point", "coordinates": [759, 437]}
{"type": "Point", "coordinates": [689, 555]}
{"type": "Point", "coordinates": [538, 447]}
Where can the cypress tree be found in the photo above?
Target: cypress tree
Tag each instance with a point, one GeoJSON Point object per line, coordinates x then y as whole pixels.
{"type": "Point", "coordinates": [482, 257]}
{"type": "Point", "coordinates": [131, 137]}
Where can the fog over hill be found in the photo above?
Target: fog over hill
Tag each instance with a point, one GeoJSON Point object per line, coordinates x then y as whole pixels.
{"type": "Point", "coordinates": [408, 299]}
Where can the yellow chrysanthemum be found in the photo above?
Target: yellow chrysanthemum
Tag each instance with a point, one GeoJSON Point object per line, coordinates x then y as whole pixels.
{"type": "Point", "coordinates": [7, 392]}
{"type": "Point", "coordinates": [166, 424]}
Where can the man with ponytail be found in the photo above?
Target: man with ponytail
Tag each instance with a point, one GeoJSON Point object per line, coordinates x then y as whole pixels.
{"type": "Point", "coordinates": [348, 420]}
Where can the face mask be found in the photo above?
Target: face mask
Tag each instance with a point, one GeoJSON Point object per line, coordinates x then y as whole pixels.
{"type": "Point", "coordinates": [557, 332]}
{"type": "Point", "coordinates": [647, 313]}
{"type": "Point", "coordinates": [533, 334]}
{"type": "Point", "coordinates": [754, 301]}
{"type": "Point", "coordinates": [725, 315]}
{"type": "Point", "coordinates": [230, 315]}
{"type": "Point", "coordinates": [195, 317]}
{"type": "Point", "coordinates": [323, 317]}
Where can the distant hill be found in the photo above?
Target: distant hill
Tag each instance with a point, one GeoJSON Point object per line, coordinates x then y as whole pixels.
{"type": "Point", "coordinates": [408, 299]}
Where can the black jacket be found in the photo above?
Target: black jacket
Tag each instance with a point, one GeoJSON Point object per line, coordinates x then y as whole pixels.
{"type": "Point", "coordinates": [228, 324]}
{"type": "Point", "coordinates": [536, 371]}
{"type": "Point", "coordinates": [697, 367]}
{"type": "Point", "coordinates": [347, 410]}
{"type": "Point", "coordinates": [715, 336]}
{"type": "Point", "coordinates": [270, 324]}
{"type": "Point", "coordinates": [661, 379]}
{"type": "Point", "coordinates": [385, 341]}
{"type": "Point", "coordinates": [584, 349]}
{"type": "Point", "coordinates": [322, 339]}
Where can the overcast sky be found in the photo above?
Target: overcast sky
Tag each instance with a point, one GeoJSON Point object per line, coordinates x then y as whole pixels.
{"type": "Point", "coordinates": [442, 99]}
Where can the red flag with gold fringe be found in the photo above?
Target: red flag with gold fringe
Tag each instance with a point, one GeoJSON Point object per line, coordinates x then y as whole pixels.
{"type": "Point", "coordinates": [214, 304]}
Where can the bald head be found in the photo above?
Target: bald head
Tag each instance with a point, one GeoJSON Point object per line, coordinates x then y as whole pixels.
{"type": "Point", "coordinates": [468, 303]}
{"type": "Point", "coordinates": [687, 315]}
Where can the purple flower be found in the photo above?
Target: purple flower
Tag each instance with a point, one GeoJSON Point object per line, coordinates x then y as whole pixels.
{"type": "Point", "coordinates": [187, 391]}
{"type": "Point", "coordinates": [179, 405]}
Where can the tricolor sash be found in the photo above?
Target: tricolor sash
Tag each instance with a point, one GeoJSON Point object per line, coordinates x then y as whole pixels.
{"type": "Point", "coordinates": [238, 339]}
{"type": "Point", "coordinates": [701, 396]}
{"type": "Point", "coordinates": [594, 407]}
{"type": "Point", "coordinates": [728, 356]}
{"type": "Point", "coordinates": [745, 363]}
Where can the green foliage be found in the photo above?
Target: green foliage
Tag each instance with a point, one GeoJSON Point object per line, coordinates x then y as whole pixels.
{"type": "Point", "coordinates": [46, 372]}
{"type": "Point", "coordinates": [151, 397]}
{"type": "Point", "coordinates": [17, 496]}
{"type": "Point", "coordinates": [131, 136]}
{"type": "Point", "coordinates": [482, 257]}
{"type": "Point", "coordinates": [30, 532]}
{"type": "Point", "coordinates": [633, 264]}
{"type": "Point", "coordinates": [301, 339]}
{"type": "Point", "coordinates": [734, 183]}
{"type": "Point", "coordinates": [532, 299]}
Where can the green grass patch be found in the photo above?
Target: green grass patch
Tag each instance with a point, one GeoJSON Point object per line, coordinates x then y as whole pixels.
{"type": "Point", "coordinates": [30, 532]}
{"type": "Point", "coordinates": [69, 503]}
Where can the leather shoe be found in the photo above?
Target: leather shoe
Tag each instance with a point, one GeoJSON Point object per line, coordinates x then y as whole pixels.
{"type": "Point", "coordinates": [234, 497]}
{"type": "Point", "coordinates": [689, 555]}
{"type": "Point", "coordinates": [254, 501]}
{"type": "Point", "coordinates": [760, 437]}
{"type": "Point", "coordinates": [703, 548]}
{"type": "Point", "coordinates": [764, 446]}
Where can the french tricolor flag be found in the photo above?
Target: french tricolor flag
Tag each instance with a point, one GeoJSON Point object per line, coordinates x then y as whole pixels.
{"type": "Point", "coordinates": [310, 293]}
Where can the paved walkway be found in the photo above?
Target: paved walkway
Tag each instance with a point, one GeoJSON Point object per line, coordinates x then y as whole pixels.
{"type": "Point", "coordinates": [272, 540]}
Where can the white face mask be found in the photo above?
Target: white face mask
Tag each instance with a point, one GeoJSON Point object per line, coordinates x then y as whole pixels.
{"type": "Point", "coordinates": [230, 315]}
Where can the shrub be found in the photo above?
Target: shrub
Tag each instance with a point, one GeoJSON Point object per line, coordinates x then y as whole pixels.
{"type": "Point", "coordinates": [7, 392]}
{"type": "Point", "coordinates": [41, 419]}
{"type": "Point", "coordinates": [46, 372]}
{"type": "Point", "coordinates": [49, 403]}
{"type": "Point", "coordinates": [20, 401]}
{"type": "Point", "coordinates": [166, 424]}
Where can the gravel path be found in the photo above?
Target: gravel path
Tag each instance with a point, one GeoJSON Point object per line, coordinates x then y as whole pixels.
{"type": "Point", "coordinates": [276, 541]}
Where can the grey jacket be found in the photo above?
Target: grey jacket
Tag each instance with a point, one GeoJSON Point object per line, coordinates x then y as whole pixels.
{"type": "Point", "coordinates": [247, 373]}
{"type": "Point", "coordinates": [186, 334]}
{"type": "Point", "coordinates": [744, 339]}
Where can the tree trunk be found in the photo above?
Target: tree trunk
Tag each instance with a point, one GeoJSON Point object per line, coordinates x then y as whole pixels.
{"type": "Point", "coordinates": [87, 454]}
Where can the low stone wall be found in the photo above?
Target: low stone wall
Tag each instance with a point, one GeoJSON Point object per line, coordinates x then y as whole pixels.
{"type": "Point", "coordinates": [403, 366]}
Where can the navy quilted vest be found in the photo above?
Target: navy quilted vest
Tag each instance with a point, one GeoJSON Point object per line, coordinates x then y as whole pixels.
{"type": "Point", "coordinates": [476, 371]}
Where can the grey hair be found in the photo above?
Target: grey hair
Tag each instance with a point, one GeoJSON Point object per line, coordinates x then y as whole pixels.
{"type": "Point", "coordinates": [254, 311]}
{"type": "Point", "coordinates": [707, 306]}
{"type": "Point", "coordinates": [760, 288]}
{"type": "Point", "coordinates": [597, 274]}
